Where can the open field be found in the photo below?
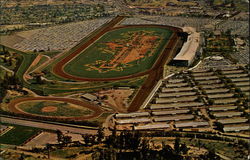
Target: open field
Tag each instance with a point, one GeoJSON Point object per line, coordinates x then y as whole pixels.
{"type": "Point", "coordinates": [18, 135]}
{"type": "Point", "coordinates": [42, 139]}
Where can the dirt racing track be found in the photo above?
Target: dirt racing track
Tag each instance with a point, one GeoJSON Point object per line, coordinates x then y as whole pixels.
{"type": "Point", "coordinates": [97, 111]}
{"type": "Point", "coordinates": [58, 69]}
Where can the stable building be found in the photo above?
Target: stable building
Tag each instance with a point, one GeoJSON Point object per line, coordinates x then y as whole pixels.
{"type": "Point", "coordinates": [89, 97]}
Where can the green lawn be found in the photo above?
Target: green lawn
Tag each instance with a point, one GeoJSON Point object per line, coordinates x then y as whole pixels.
{"type": "Point", "coordinates": [63, 109]}
{"type": "Point", "coordinates": [18, 135]}
{"type": "Point", "coordinates": [58, 88]}
{"type": "Point", "coordinates": [95, 52]}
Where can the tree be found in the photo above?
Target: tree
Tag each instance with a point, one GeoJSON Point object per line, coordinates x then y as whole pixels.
{"type": "Point", "coordinates": [59, 136]}
{"type": "Point", "coordinates": [177, 145]}
{"type": "Point", "coordinates": [39, 79]}
{"type": "Point", "coordinates": [48, 148]}
{"type": "Point", "coordinates": [67, 140]}
{"type": "Point", "coordinates": [219, 126]}
{"type": "Point", "coordinates": [86, 139]}
{"type": "Point", "coordinates": [3, 47]}
{"type": "Point", "coordinates": [167, 151]}
{"type": "Point", "coordinates": [89, 139]}
{"type": "Point", "coordinates": [210, 155]}
{"type": "Point", "coordinates": [22, 156]}
{"type": "Point", "coordinates": [210, 101]}
{"type": "Point", "coordinates": [100, 134]}
{"type": "Point", "coordinates": [184, 149]}
{"type": "Point", "coordinates": [144, 145]}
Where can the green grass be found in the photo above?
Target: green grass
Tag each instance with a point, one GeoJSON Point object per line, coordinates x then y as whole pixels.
{"type": "Point", "coordinates": [42, 60]}
{"type": "Point", "coordinates": [67, 152]}
{"type": "Point", "coordinates": [26, 59]}
{"type": "Point", "coordinates": [63, 109]}
{"type": "Point", "coordinates": [93, 53]}
{"type": "Point", "coordinates": [26, 62]}
{"type": "Point", "coordinates": [101, 119]}
{"type": "Point", "coordinates": [18, 135]}
{"type": "Point", "coordinates": [59, 88]}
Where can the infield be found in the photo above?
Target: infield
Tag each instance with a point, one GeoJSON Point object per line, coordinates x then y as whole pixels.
{"type": "Point", "coordinates": [53, 108]}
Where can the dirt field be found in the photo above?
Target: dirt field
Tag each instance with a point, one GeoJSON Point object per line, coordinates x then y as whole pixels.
{"type": "Point", "coordinates": [117, 98]}
{"type": "Point", "coordinates": [49, 109]}
{"type": "Point", "coordinates": [10, 40]}
{"type": "Point", "coordinates": [48, 137]}
{"type": "Point", "coordinates": [42, 139]}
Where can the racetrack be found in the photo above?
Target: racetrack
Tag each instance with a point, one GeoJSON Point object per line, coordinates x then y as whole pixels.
{"type": "Point", "coordinates": [58, 69]}
{"type": "Point", "coordinates": [155, 73]}
{"type": "Point", "coordinates": [97, 110]}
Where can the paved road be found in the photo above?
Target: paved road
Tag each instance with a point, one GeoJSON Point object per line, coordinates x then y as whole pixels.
{"type": "Point", "coordinates": [46, 125]}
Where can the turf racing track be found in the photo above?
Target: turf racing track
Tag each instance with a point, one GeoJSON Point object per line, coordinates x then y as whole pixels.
{"type": "Point", "coordinates": [58, 69]}
{"type": "Point", "coordinates": [97, 110]}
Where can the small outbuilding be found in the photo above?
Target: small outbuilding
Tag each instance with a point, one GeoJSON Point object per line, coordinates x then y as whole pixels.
{"type": "Point", "coordinates": [89, 97]}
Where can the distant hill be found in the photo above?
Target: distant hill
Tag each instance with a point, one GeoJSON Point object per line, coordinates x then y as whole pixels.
{"type": "Point", "coordinates": [12, 3]}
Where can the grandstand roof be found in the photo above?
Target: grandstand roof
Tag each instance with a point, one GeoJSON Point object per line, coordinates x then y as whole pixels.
{"type": "Point", "coordinates": [190, 47]}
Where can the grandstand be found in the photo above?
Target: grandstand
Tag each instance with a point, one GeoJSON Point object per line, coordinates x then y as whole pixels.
{"type": "Point", "coordinates": [189, 49]}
